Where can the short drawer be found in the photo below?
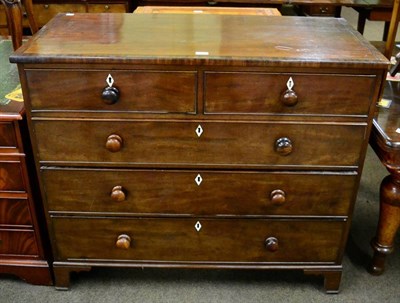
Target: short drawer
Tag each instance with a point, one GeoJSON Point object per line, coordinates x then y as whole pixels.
{"type": "Point", "coordinates": [107, 8]}
{"type": "Point", "coordinates": [14, 212]}
{"type": "Point", "coordinates": [199, 143]}
{"type": "Point", "coordinates": [11, 176]}
{"type": "Point", "coordinates": [7, 135]}
{"type": "Point", "coordinates": [321, 10]}
{"type": "Point", "coordinates": [198, 192]}
{"type": "Point", "coordinates": [263, 93]}
{"type": "Point", "coordinates": [17, 242]}
{"type": "Point", "coordinates": [45, 12]}
{"type": "Point", "coordinates": [137, 91]}
{"type": "Point", "coordinates": [199, 240]}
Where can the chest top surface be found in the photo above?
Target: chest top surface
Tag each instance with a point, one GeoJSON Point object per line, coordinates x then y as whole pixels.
{"type": "Point", "coordinates": [200, 40]}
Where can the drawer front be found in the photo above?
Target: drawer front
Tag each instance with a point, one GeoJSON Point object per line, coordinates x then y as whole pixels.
{"type": "Point", "coordinates": [17, 242]}
{"type": "Point", "coordinates": [179, 240]}
{"type": "Point", "coordinates": [320, 10]}
{"type": "Point", "coordinates": [45, 12]}
{"type": "Point", "coordinates": [261, 93]}
{"type": "Point", "coordinates": [139, 91]}
{"type": "Point", "coordinates": [107, 8]}
{"type": "Point", "coordinates": [7, 135]}
{"type": "Point", "coordinates": [14, 212]}
{"type": "Point", "coordinates": [11, 177]}
{"type": "Point", "coordinates": [198, 192]}
{"type": "Point", "coordinates": [199, 143]}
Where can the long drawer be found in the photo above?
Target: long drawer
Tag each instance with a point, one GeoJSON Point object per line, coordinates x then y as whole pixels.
{"type": "Point", "coordinates": [199, 143]}
{"type": "Point", "coordinates": [15, 242]}
{"type": "Point", "coordinates": [211, 193]}
{"type": "Point", "coordinates": [263, 93]}
{"type": "Point", "coordinates": [198, 240]}
{"type": "Point", "coordinates": [138, 91]}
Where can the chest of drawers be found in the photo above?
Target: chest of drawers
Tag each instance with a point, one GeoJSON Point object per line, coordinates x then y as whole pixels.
{"type": "Point", "coordinates": [199, 141]}
{"type": "Point", "coordinates": [22, 248]}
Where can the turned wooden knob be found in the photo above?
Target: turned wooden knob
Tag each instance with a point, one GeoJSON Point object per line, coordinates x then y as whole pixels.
{"type": "Point", "coordinates": [289, 98]}
{"type": "Point", "coordinates": [283, 146]}
{"type": "Point", "coordinates": [271, 244]}
{"type": "Point", "coordinates": [278, 197]}
{"type": "Point", "coordinates": [118, 194]}
{"type": "Point", "coordinates": [110, 95]}
{"type": "Point", "coordinates": [114, 143]}
{"type": "Point", "coordinates": [123, 242]}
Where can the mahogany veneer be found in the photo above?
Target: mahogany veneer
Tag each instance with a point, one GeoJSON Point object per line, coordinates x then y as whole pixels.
{"type": "Point", "coordinates": [22, 250]}
{"type": "Point", "coordinates": [199, 141]}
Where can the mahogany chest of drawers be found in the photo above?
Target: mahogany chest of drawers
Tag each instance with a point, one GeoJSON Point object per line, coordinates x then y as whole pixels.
{"type": "Point", "coordinates": [22, 248]}
{"type": "Point", "coordinates": [199, 141]}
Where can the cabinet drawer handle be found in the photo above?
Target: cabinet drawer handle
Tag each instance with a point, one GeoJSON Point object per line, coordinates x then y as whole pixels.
{"type": "Point", "coordinates": [289, 97]}
{"type": "Point", "coordinates": [114, 143]}
{"type": "Point", "coordinates": [110, 95]}
{"type": "Point", "coordinates": [123, 242]}
{"type": "Point", "coordinates": [118, 194]}
{"type": "Point", "coordinates": [271, 244]}
{"type": "Point", "coordinates": [283, 146]}
{"type": "Point", "coordinates": [324, 10]}
{"type": "Point", "coordinates": [278, 197]}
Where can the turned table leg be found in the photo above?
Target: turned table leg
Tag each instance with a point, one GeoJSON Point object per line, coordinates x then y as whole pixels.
{"type": "Point", "coordinates": [29, 12]}
{"type": "Point", "coordinates": [14, 21]}
{"type": "Point", "coordinates": [389, 221]}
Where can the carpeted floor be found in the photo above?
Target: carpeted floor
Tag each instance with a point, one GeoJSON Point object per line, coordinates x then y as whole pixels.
{"type": "Point", "coordinates": [172, 285]}
{"type": "Point", "coordinates": [8, 72]}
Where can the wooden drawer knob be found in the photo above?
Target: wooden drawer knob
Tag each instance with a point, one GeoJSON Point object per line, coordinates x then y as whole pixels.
{"type": "Point", "coordinates": [278, 197]}
{"type": "Point", "coordinates": [110, 95]}
{"type": "Point", "coordinates": [123, 242]}
{"type": "Point", "coordinates": [114, 143]}
{"type": "Point", "coordinates": [271, 244]}
{"type": "Point", "coordinates": [283, 146]}
{"type": "Point", "coordinates": [118, 194]}
{"type": "Point", "coordinates": [289, 98]}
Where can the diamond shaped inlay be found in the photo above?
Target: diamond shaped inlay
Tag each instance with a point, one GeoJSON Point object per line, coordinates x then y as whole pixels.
{"type": "Point", "coordinates": [290, 83]}
{"type": "Point", "coordinates": [197, 226]}
{"type": "Point", "coordinates": [199, 130]}
{"type": "Point", "coordinates": [198, 179]}
{"type": "Point", "coordinates": [110, 80]}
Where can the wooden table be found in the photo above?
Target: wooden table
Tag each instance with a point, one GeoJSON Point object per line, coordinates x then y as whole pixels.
{"type": "Point", "coordinates": [385, 140]}
{"type": "Point", "coordinates": [374, 10]}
